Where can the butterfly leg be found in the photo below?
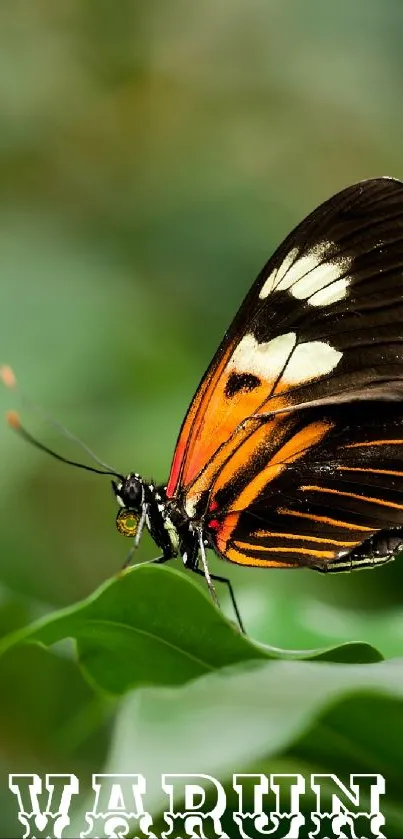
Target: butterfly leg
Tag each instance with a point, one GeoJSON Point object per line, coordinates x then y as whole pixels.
{"type": "Point", "coordinates": [159, 560]}
{"type": "Point", "coordinates": [129, 557]}
{"type": "Point", "coordinates": [140, 526]}
{"type": "Point", "coordinates": [204, 572]}
{"type": "Point", "coordinates": [227, 582]}
{"type": "Point", "coordinates": [381, 548]}
{"type": "Point", "coordinates": [136, 542]}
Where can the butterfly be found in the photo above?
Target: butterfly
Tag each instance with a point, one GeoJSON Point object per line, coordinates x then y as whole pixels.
{"type": "Point", "coordinates": [291, 452]}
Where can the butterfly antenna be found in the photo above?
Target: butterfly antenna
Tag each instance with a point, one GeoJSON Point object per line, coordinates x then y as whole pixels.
{"type": "Point", "coordinates": [13, 419]}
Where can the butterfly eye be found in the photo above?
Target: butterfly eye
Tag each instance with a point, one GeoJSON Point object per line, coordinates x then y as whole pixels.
{"type": "Point", "coordinates": [127, 522]}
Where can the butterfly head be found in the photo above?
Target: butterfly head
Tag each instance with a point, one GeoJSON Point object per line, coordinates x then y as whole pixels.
{"type": "Point", "coordinates": [130, 495]}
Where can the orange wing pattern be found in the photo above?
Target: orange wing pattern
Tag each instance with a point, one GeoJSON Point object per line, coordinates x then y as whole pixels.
{"type": "Point", "coordinates": [268, 452]}
{"type": "Point", "coordinates": [338, 493]}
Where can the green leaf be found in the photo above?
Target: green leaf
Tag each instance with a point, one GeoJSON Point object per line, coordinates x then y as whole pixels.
{"type": "Point", "coordinates": [153, 625]}
{"type": "Point", "coordinates": [288, 613]}
{"type": "Point", "coordinates": [257, 713]}
{"type": "Point", "coordinates": [49, 717]}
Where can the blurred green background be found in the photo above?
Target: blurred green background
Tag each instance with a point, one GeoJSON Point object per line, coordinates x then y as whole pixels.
{"type": "Point", "coordinates": [152, 155]}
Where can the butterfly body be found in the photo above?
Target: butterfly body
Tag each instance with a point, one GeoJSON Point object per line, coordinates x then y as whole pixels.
{"type": "Point", "coordinates": [170, 528]}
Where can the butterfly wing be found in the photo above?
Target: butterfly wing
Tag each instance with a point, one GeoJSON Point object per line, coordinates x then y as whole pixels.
{"type": "Point", "coordinates": [320, 329]}
{"type": "Point", "coordinates": [313, 505]}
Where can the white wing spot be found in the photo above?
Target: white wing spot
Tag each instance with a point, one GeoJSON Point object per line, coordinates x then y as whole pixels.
{"type": "Point", "coordinates": [311, 277]}
{"type": "Point", "coordinates": [266, 360]}
{"type": "Point", "coordinates": [309, 361]}
{"type": "Point", "coordinates": [274, 278]}
{"type": "Point", "coordinates": [331, 293]}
